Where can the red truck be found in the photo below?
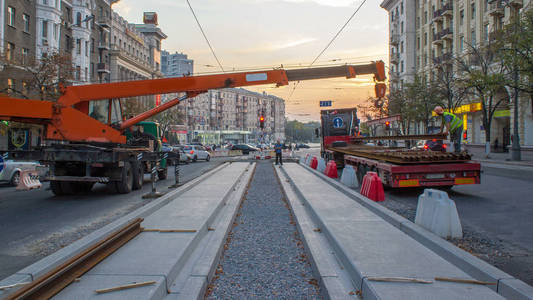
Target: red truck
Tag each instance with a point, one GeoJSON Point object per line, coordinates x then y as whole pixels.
{"type": "Point", "coordinates": [398, 167]}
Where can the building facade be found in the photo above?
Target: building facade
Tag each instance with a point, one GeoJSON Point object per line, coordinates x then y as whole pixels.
{"type": "Point", "coordinates": [176, 65]}
{"type": "Point", "coordinates": [18, 41]}
{"type": "Point", "coordinates": [135, 55]}
{"type": "Point", "coordinates": [48, 22]}
{"type": "Point", "coordinates": [232, 115]}
{"type": "Point", "coordinates": [445, 30]}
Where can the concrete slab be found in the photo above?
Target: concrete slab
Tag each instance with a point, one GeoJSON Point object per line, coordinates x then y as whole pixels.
{"type": "Point", "coordinates": [85, 288]}
{"type": "Point", "coordinates": [470, 264]}
{"type": "Point", "coordinates": [369, 246]}
{"type": "Point", "coordinates": [515, 289]}
{"type": "Point", "coordinates": [48, 263]}
{"type": "Point", "coordinates": [419, 291]}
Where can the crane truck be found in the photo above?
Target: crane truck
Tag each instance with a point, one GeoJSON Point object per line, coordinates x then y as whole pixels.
{"type": "Point", "coordinates": [88, 141]}
{"type": "Point", "coordinates": [398, 167]}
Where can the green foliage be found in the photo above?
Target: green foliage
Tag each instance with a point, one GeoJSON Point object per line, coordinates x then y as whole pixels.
{"type": "Point", "coordinates": [296, 131]}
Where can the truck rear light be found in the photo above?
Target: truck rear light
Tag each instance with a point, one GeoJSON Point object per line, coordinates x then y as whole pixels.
{"type": "Point", "coordinates": [426, 147]}
{"type": "Point", "coordinates": [192, 152]}
{"type": "Point", "coordinates": [444, 146]}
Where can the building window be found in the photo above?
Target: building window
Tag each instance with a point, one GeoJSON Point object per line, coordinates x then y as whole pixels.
{"type": "Point", "coordinates": [25, 54]}
{"type": "Point", "coordinates": [10, 51]}
{"type": "Point", "coordinates": [401, 7]}
{"type": "Point", "coordinates": [401, 66]}
{"type": "Point", "coordinates": [86, 74]}
{"type": "Point", "coordinates": [401, 47]}
{"type": "Point", "coordinates": [10, 84]}
{"type": "Point", "coordinates": [44, 32]}
{"type": "Point", "coordinates": [473, 10]}
{"type": "Point", "coordinates": [473, 38]}
{"type": "Point", "coordinates": [401, 27]}
{"type": "Point", "coordinates": [78, 19]}
{"type": "Point", "coordinates": [68, 41]}
{"type": "Point", "coordinates": [11, 16]}
{"type": "Point", "coordinates": [56, 32]}
{"type": "Point", "coordinates": [45, 2]}
{"type": "Point", "coordinates": [418, 43]}
{"type": "Point", "coordinates": [78, 72]}
{"type": "Point", "coordinates": [462, 43]}
{"type": "Point", "coordinates": [486, 33]}
{"type": "Point", "coordinates": [78, 46]}
{"type": "Point", "coordinates": [461, 17]}
{"type": "Point", "coordinates": [91, 69]}
{"type": "Point", "coordinates": [26, 20]}
{"type": "Point", "coordinates": [87, 48]}
{"type": "Point", "coordinates": [92, 45]}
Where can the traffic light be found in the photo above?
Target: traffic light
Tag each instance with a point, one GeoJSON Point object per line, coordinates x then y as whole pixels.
{"type": "Point", "coordinates": [465, 135]}
{"type": "Point", "coordinates": [262, 122]}
{"type": "Point", "coordinates": [387, 125]}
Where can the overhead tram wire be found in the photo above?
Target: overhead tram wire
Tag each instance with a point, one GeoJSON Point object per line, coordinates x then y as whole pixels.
{"type": "Point", "coordinates": [330, 42]}
{"type": "Point", "coordinates": [205, 36]}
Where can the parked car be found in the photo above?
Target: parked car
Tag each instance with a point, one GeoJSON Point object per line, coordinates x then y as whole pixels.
{"type": "Point", "coordinates": [10, 170]}
{"type": "Point", "coordinates": [433, 145]}
{"type": "Point", "coordinates": [303, 146]}
{"type": "Point", "coordinates": [245, 148]}
{"type": "Point", "coordinates": [197, 152]}
{"type": "Point", "coordinates": [185, 157]}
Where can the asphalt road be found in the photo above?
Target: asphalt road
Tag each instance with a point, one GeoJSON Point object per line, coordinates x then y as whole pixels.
{"type": "Point", "coordinates": [36, 223]}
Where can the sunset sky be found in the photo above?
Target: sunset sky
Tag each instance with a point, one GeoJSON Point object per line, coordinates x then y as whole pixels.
{"type": "Point", "coordinates": [268, 33]}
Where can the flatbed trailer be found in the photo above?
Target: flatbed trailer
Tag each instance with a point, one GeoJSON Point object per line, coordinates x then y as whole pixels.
{"type": "Point", "coordinates": [397, 167]}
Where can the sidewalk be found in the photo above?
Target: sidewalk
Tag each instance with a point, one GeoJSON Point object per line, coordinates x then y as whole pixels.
{"type": "Point", "coordinates": [502, 159]}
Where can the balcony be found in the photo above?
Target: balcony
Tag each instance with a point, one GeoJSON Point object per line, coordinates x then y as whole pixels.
{"type": "Point", "coordinates": [496, 8]}
{"type": "Point", "coordinates": [394, 76]}
{"type": "Point", "coordinates": [447, 9]}
{"type": "Point", "coordinates": [446, 34]}
{"type": "Point", "coordinates": [394, 58]}
{"type": "Point", "coordinates": [103, 46]}
{"type": "Point", "coordinates": [395, 39]}
{"type": "Point", "coordinates": [516, 3]}
{"type": "Point", "coordinates": [445, 58]}
{"type": "Point", "coordinates": [102, 68]}
{"type": "Point", "coordinates": [104, 22]}
{"type": "Point", "coordinates": [437, 38]}
{"type": "Point", "coordinates": [437, 15]}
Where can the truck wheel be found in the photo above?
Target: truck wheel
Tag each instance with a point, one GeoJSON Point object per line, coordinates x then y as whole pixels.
{"type": "Point", "coordinates": [125, 184]}
{"type": "Point", "coordinates": [15, 179]}
{"type": "Point", "coordinates": [55, 186]}
{"type": "Point", "coordinates": [138, 175]}
{"type": "Point", "coordinates": [162, 174]}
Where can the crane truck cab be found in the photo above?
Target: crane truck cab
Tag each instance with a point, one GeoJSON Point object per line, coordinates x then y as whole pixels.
{"type": "Point", "coordinates": [338, 126]}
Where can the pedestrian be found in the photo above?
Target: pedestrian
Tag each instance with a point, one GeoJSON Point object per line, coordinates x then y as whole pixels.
{"type": "Point", "coordinates": [496, 144]}
{"type": "Point", "coordinates": [453, 125]}
{"type": "Point", "coordinates": [277, 147]}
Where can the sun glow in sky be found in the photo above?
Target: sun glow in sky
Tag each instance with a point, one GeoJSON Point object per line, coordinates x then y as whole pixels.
{"type": "Point", "coordinates": [270, 33]}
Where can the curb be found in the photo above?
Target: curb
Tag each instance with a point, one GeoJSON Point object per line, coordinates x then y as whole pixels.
{"type": "Point", "coordinates": [508, 286]}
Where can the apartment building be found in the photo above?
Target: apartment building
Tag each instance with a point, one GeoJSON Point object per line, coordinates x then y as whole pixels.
{"type": "Point", "coordinates": [444, 30]}
{"type": "Point", "coordinates": [232, 115]}
{"type": "Point", "coordinates": [18, 42]}
{"type": "Point", "coordinates": [135, 55]}
{"type": "Point", "coordinates": [176, 64]}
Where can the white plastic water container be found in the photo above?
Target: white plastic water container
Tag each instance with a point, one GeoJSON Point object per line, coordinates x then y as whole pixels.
{"type": "Point", "coordinates": [321, 165]}
{"type": "Point", "coordinates": [348, 177]}
{"type": "Point", "coordinates": [437, 213]}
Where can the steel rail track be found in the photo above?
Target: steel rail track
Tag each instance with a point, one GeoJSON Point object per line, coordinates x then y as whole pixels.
{"type": "Point", "coordinates": [52, 282]}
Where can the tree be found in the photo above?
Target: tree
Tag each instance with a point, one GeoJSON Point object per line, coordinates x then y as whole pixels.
{"type": "Point", "coordinates": [166, 119]}
{"type": "Point", "coordinates": [296, 131]}
{"type": "Point", "coordinates": [423, 97]}
{"type": "Point", "coordinates": [42, 78]}
{"type": "Point", "coordinates": [483, 74]}
{"type": "Point", "coordinates": [449, 88]}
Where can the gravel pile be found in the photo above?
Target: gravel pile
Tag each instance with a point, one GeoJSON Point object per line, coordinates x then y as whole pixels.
{"type": "Point", "coordinates": [264, 256]}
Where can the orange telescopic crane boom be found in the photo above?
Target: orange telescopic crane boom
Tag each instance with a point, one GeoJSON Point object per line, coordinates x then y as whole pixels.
{"type": "Point", "coordinates": [68, 119]}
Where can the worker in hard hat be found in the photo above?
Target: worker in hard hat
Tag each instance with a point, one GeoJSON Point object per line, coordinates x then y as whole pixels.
{"type": "Point", "coordinates": [453, 125]}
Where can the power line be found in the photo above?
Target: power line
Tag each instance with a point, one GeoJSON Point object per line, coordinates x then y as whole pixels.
{"type": "Point", "coordinates": [205, 36]}
{"type": "Point", "coordinates": [330, 42]}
